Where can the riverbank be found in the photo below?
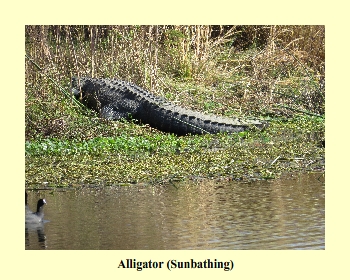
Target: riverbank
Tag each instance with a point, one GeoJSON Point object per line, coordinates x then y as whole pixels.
{"type": "Point", "coordinates": [154, 158]}
{"type": "Point", "coordinates": [272, 73]}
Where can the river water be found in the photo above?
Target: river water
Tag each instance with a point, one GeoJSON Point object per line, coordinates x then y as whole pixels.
{"type": "Point", "coordinates": [278, 214]}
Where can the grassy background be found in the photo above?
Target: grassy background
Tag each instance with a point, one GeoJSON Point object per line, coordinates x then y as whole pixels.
{"type": "Point", "coordinates": [228, 70]}
{"type": "Point", "coordinates": [272, 72]}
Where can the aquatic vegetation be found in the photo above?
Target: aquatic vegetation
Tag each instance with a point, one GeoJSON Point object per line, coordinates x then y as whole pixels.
{"type": "Point", "coordinates": [157, 158]}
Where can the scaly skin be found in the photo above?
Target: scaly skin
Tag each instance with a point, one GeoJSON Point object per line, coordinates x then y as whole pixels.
{"type": "Point", "coordinates": [115, 99]}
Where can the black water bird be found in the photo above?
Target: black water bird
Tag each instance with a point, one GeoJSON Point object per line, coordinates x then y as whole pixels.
{"type": "Point", "coordinates": [36, 217]}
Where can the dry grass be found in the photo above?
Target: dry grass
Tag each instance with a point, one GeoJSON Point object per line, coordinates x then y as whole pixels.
{"type": "Point", "coordinates": [226, 69]}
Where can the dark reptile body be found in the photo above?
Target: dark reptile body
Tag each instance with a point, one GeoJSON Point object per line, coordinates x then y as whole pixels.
{"type": "Point", "coordinates": [115, 99]}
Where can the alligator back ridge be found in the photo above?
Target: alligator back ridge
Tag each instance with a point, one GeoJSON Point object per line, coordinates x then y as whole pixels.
{"type": "Point", "coordinates": [115, 99]}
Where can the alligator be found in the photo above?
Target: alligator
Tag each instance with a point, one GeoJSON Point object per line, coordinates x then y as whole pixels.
{"type": "Point", "coordinates": [115, 100]}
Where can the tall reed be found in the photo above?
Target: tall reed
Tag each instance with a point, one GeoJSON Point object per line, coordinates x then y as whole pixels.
{"type": "Point", "coordinates": [262, 69]}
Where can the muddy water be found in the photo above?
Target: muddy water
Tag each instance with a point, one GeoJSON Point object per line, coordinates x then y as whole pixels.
{"type": "Point", "coordinates": [279, 214]}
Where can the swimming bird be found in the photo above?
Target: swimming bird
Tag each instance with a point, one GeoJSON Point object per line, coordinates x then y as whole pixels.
{"type": "Point", "coordinates": [36, 217]}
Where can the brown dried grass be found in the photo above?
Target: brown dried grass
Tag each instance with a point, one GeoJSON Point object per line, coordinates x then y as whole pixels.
{"type": "Point", "coordinates": [265, 65]}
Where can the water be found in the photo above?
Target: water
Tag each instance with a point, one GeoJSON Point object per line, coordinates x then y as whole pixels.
{"type": "Point", "coordinates": [279, 214]}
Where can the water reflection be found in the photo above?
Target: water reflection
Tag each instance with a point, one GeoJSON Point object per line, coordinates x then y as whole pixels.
{"type": "Point", "coordinates": [35, 237]}
{"type": "Point", "coordinates": [286, 214]}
